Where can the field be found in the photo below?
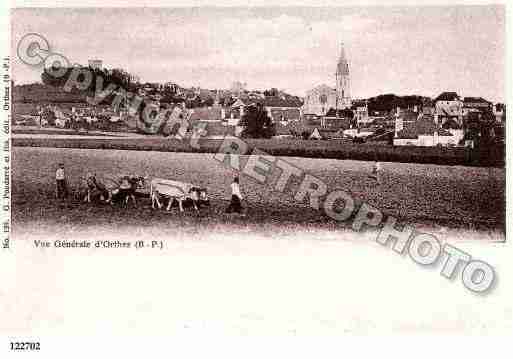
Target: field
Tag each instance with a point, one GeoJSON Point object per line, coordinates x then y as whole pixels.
{"type": "Point", "coordinates": [334, 149]}
{"type": "Point", "coordinates": [34, 131]}
{"type": "Point", "coordinates": [426, 195]}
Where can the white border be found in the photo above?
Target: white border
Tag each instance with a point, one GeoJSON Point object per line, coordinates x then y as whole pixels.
{"type": "Point", "coordinates": [212, 345]}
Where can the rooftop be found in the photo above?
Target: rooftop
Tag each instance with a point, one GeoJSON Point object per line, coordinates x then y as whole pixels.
{"type": "Point", "coordinates": [475, 99]}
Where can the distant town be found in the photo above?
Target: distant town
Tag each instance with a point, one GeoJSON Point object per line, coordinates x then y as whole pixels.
{"type": "Point", "coordinates": [325, 113]}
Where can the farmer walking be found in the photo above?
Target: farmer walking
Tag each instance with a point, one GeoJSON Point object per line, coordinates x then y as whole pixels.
{"type": "Point", "coordinates": [60, 181]}
{"type": "Point", "coordinates": [235, 204]}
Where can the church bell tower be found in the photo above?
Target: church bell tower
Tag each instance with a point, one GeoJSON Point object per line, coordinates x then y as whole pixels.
{"type": "Point", "coordinates": [342, 80]}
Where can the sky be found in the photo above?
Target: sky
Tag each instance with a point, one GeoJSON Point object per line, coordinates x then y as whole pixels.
{"type": "Point", "coordinates": [401, 50]}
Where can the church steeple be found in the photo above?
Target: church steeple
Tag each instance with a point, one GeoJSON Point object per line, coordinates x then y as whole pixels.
{"type": "Point", "coordinates": [342, 66]}
{"type": "Point", "coordinates": [342, 80]}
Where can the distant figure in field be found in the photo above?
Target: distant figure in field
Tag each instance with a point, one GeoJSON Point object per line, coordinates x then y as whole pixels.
{"type": "Point", "coordinates": [376, 171]}
{"type": "Point", "coordinates": [61, 189]}
{"type": "Point", "coordinates": [235, 204]}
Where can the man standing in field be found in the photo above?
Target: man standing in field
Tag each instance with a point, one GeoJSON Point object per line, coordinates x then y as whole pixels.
{"type": "Point", "coordinates": [376, 172]}
{"type": "Point", "coordinates": [60, 180]}
{"type": "Point", "coordinates": [235, 204]}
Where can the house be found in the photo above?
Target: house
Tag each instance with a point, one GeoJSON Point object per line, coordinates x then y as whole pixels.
{"type": "Point", "coordinates": [455, 129]}
{"type": "Point", "coordinates": [499, 111]}
{"type": "Point", "coordinates": [425, 131]}
{"type": "Point", "coordinates": [428, 107]}
{"type": "Point", "coordinates": [208, 114]}
{"type": "Point", "coordinates": [61, 122]}
{"type": "Point", "coordinates": [404, 119]}
{"type": "Point", "coordinates": [336, 123]}
{"type": "Point", "coordinates": [361, 114]}
{"type": "Point", "coordinates": [357, 133]}
{"type": "Point", "coordinates": [281, 108]}
{"type": "Point", "coordinates": [333, 120]}
{"type": "Point", "coordinates": [284, 115]}
{"type": "Point", "coordinates": [315, 135]}
{"type": "Point", "coordinates": [448, 105]}
{"type": "Point", "coordinates": [172, 88]}
{"type": "Point", "coordinates": [477, 103]}
{"type": "Point", "coordinates": [285, 131]}
{"type": "Point", "coordinates": [236, 111]}
{"type": "Point", "coordinates": [62, 117]}
{"type": "Point", "coordinates": [312, 121]}
{"type": "Point", "coordinates": [291, 129]}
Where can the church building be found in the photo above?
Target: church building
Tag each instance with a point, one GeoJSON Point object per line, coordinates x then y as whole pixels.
{"type": "Point", "coordinates": [321, 99]}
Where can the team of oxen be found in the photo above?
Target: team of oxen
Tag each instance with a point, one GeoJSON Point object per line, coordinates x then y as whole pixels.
{"type": "Point", "coordinates": [128, 188]}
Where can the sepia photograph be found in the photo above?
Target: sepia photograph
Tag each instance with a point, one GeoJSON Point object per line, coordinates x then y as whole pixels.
{"type": "Point", "coordinates": [153, 124]}
{"type": "Point", "coordinates": [256, 170]}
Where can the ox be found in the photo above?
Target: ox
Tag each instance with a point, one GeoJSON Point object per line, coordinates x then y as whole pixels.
{"type": "Point", "coordinates": [176, 190]}
{"type": "Point", "coordinates": [127, 189]}
{"type": "Point", "coordinates": [96, 190]}
{"type": "Point", "coordinates": [113, 191]}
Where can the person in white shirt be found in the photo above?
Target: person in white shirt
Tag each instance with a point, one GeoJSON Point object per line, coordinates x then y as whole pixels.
{"type": "Point", "coordinates": [235, 204]}
{"type": "Point", "coordinates": [376, 171]}
{"type": "Point", "coordinates": [60, 179]}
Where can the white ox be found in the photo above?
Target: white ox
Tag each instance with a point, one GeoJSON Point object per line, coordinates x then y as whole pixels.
{"type": "Point", "coordinates": [174, 190]}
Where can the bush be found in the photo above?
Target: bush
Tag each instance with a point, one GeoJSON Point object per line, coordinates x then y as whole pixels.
{"type": "Point", "coordinates": [256, 123]}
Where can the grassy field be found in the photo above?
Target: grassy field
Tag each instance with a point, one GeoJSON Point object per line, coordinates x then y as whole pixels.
{"type": "Point", "coordinates": [455, 197]}
{"type": "Point", "coordinates": [31, 130]}
{"type": "Point", "coordinates": [335, 149]}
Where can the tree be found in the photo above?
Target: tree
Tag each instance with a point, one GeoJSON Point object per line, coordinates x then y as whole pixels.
{"type": "Point", "coordinates": [389, 102]}
{"type": "Point", "coordinates": [272, 92]}
{"type": "Point", "coordinates": [256, 123]}
{"type": "Point", "coordinates": [193, 102]}
{"type": "Point", "coordinates": [49, 116]}
{"type": "Point", "coordinates": [344, 113]}
{"type": "Point", "coordinates": [209, 101]}
{"type": "Point", "coordinates": [58, 77]}
{"type": "Point", "coordinates": [305, 134]}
